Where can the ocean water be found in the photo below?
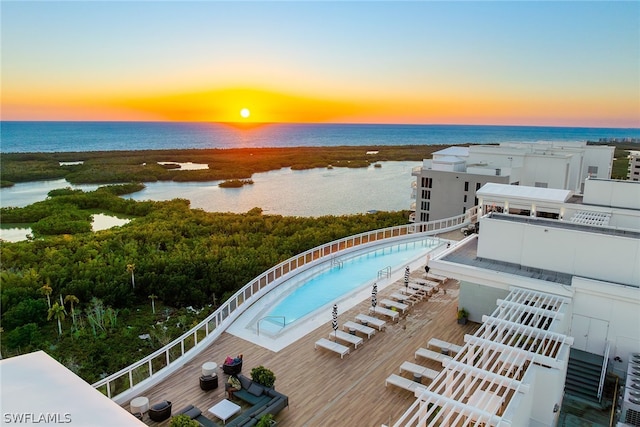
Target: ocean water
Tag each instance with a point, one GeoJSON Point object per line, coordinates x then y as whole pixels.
{"type": "Point", "coordinates": [29, 137]}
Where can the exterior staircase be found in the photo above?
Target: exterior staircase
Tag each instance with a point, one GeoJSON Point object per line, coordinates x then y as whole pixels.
{"type": "Point", "coordinates": [583, 375]}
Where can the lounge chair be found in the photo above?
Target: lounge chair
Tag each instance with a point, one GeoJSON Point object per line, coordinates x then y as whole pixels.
{"type": "Point", "coordinates": [423, 371]}
{"type": "Point", "coordinates": [358, 327]}
{"type": "Point", "coordinates": [431, 355]}
{"type": "Point", "coordinates": [333, 346]}
{"type": "Point", "coordinates": [347, 337]}
{"type": "Point", "coordinates": [394, 315]}
{"type": "Point", "coordinates": [373, 321]}
{"type": "Point", "coordinates": [444, 346]}
{"type": "Point", "coordinates": [405, 298]}
{"type": "Point", "coordinates": [403, 382]}
{"type": "Point", "coordinates": [395, 304]}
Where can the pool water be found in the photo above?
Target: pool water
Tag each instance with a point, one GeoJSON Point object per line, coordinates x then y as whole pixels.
{"type": "Point", "coordinates": [311, 291]}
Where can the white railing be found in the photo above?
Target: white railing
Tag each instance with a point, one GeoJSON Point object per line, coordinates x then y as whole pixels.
{"type": "Point", "coordinates": [603, 374]}
{"type": "Point", "coordinates": [153, 368]}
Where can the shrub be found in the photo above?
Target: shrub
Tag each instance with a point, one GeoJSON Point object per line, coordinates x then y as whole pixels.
{"type": "Point", "coordinates": [263, 376]}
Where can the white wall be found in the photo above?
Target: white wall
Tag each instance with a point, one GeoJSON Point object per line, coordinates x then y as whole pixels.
{"type": "Point", "coordinates": [605, 192]}
{"type": "Point", "coordinates": [562, 250]}
{"type": "Point", "coordinates": [549, 169]}
{"type": "Point", "coordinates": [618, 305]}
{"type": "Point", "coordinates": [547, 392]}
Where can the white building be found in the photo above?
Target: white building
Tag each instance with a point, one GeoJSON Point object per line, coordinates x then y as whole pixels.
{"type": "Point", "coordinates": [633, 173]}
{"type": "Point", "coordinates": [544, 289]}
{"type": "Point", "coordinates": [446, 185]}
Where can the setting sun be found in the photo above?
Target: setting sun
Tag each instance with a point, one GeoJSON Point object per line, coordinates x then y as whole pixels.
{"type": "Point", "coordinates": [245, 113]}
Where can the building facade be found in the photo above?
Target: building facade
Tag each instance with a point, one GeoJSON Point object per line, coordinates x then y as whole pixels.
{"type": "Point", "coordinates": [633, 173]}
{"type": "Point", "coordinates": [446, 185]}
{"type": "Point", "coordinates": [542, 287]}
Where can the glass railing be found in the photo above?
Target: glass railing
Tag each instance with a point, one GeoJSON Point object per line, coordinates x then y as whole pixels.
{"type": "Point", "coordinates": [162, 362]}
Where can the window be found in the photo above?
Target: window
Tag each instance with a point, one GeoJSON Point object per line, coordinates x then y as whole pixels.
{"type": "Point", "coordinates": [478, 185]}
{"type": "Point", "coordinates": [592, 170]}
{"type": "Point", "coordinates": [541, 184]}
{"type": "Point", "coordinates": [475, 202]}
{"type": "Point", "coordinates": [465, 198]}
{"type": "Point", "coordinates": [466, 186]}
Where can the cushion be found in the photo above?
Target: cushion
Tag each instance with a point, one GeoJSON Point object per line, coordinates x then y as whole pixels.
{"type": "Point", "coordinates": [246, 382]}
{"type": "Point", "coordinates": [228, 361]}
{"type": "Point", "coordinates": [160, 406]}
{"type": "Point", "coordinates": [255, 389]}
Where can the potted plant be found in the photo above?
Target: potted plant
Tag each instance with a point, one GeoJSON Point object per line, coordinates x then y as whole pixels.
{"type": "Point", "coordinates": [183, 421]}
{"type": "Point", "coordinates": [263, 376]}
{"type": "Point", "coordinates": [266, 421]}
{"type": "Point", "coordinates": [463, 315]}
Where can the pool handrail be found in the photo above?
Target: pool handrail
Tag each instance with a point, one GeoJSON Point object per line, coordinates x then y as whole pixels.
{"type": "Point", "coordinates": [217, 322]}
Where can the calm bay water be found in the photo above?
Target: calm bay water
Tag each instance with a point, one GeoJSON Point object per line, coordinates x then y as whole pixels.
{"type": "Point", "coordinates": [314, 192]}
{"type": "Point", "coordinates": [18, 137]}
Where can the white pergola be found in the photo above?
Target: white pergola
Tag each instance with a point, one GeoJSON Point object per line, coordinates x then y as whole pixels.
{"type": "Point", "coordinates": [477, 386]}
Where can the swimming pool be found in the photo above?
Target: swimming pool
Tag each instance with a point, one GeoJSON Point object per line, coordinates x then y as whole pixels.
{"type": "Point", "coordinates": [307, 292]}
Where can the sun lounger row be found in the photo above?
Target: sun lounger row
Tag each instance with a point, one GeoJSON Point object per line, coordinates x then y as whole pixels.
{"type": "Point", "coordinates": [333, 346]}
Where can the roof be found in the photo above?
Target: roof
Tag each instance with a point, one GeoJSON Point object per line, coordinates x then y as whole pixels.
{"type": "Point", "coordinates": [502, 191]}
{"type": "Point", "coordinates": [453, 151]}
{"type": "Point", "coordinates": [38, 390]}
{"type": "Point", "coordinates": [448, 159]}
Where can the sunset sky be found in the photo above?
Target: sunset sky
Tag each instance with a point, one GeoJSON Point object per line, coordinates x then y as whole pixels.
{"type": "Point", "coordinates": [504, 62]}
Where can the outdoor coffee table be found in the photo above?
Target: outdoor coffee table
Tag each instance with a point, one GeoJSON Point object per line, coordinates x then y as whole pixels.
{"type": "Point", "coordinates": [224, 410]}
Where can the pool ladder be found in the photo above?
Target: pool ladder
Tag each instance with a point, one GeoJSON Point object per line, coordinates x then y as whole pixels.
{"type": "Point", "coordinates": [385, 272]}
{"type": "Point", "coordinates": [336, 261]}
{"type": "Point", "coordinates": [271, 317]}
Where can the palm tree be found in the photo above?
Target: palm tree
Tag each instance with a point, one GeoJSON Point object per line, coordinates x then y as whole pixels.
{"type": "Point", "coordinates": [59, 313]}
{"type": "Point", "coordinates": [130, 269]}
{"type": "Point", "coordinates": [153, 302]}
{"type": "Point", "coordinates": [47, 290]}
{"type": "Point", "coordinates": [72, 299]}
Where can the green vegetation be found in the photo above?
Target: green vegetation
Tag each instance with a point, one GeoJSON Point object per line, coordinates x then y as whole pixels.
{"type": "Point", "coordinates": [235, 183]}
{"type": "Point", "coordinates": [263, 376]}
{"type": "Point", "coordinates": [224, 164]}
{"type": "Point", "coordinates": [99, 301]}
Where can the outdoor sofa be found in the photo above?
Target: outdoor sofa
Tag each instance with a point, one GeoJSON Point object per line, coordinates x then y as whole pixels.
{"type": "Point", "coordinates": [263, 400]}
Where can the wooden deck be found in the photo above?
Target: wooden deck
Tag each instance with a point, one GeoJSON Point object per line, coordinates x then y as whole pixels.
{"type": "Point", "coordinates": [324, 389]}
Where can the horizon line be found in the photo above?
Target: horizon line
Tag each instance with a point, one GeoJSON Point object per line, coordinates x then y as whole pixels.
{"type": "Point", "coordinates": [248, 125]}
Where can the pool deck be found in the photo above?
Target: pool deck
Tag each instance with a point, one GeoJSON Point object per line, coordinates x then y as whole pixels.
{"type": "Point", "coordinates": [324, 389]}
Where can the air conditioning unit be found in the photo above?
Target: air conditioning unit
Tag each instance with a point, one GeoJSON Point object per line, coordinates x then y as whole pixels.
{"type": "Point", "coordinates": [630, 410]}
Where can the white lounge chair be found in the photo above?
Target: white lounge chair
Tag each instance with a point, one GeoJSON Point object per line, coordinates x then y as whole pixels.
{"type": "Point", "coordinates": [347, 337]}
{"type": "Point", "coordinates": [370, 320]}
{"type": "Point", "coordinates": [333, 346]}
{"type": "Point", "coordinates": [386, 312]}
{"type": "Point", "coordinates": [395, 304]}
{"type": "Point", "coordinates": [431, 355]}
{"type": "Point", "coordinates": [404, 298]}
{"type": "Point", "coordinates": [403, 382]}
{"type": "Point", "coordinates": [444, 346]}
{"type": "Point", "coordinates": [359, 328]}
{"type": "Point", "coordinates": [418, 370]}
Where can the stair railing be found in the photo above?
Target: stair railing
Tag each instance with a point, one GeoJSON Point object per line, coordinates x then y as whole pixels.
{"type": "Point", "coordinates": [603, 374]}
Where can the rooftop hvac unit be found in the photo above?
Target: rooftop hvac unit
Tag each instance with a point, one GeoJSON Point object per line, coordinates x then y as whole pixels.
{"type": "Point", "coordinates": [630, 411]}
